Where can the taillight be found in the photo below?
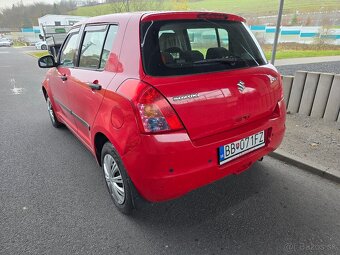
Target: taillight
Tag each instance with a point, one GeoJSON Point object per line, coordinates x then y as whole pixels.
{"type": "Point", "coordinates": [154, 113]}
{"type": "Point", "coordinates": [276, 112]}
{"type": "Point", "coordinates": [281, 87]}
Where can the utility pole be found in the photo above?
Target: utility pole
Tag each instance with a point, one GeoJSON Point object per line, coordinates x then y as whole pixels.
{"type": "Point", "coordinates": [277, 32]}
{"type": "Point", "coordinates": [127, 5]}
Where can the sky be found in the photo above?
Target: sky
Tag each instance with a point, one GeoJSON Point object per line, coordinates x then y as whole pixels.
{"type": "Point", "coordinates": [9, 3]}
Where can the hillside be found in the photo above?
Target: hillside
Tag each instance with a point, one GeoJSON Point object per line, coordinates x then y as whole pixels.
{"type": "Point", "coordinates": [243, 7]}
{"type": "Point", "coordinates": [265, 7]}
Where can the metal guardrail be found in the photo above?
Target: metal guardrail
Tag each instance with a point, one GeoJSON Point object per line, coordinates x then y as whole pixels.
{"type": "Point", "coordinates": [313, 94]}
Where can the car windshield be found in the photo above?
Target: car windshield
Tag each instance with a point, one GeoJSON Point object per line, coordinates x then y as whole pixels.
{"type": "Point", "coordinates": [197, 46]}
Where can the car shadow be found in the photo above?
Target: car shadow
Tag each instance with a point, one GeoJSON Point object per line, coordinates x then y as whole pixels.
{"type": "Point", "coordinates": [221, 197]}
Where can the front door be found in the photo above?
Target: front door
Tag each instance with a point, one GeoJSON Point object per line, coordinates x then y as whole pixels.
{"type": "Point", "coordinates": [59, 80]}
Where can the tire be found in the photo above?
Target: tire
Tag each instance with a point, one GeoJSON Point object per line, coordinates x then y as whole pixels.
{"type": "Point", "coordinates": [55, 122]}
{"type": "Point", "coordinates": [43, 47]}
{"type": "Point", "coordinates": [117, 180]}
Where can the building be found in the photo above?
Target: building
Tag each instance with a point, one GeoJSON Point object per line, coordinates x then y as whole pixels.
{"type": "Point", "coordinates": [59, 20]}
{"type": "Point", "coordinates": [32, 34]}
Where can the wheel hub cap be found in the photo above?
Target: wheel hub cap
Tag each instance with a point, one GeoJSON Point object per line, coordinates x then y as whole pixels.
{"type": "Point", "coordinates": [114, 179]}
{"type": "Point", "coordinates": [50, 109]}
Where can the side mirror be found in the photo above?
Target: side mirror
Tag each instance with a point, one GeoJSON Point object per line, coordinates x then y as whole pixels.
{"type": "Point", "coordinates": [47, 62]}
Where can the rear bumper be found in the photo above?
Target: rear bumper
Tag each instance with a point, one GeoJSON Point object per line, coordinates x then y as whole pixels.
{"type": "Point", "coordinates": [167, 166]}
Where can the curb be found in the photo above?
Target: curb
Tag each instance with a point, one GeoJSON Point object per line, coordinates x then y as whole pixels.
{"type": "Point", "coordinates": [304, 164]}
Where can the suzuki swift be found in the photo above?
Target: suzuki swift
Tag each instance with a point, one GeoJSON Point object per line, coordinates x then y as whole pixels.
{"type": "Point", "coordinates": [167, 102]}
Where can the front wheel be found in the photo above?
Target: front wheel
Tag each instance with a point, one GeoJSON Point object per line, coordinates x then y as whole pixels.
{"type": "Point", "coordinates": [43, 47]}
{"type": "Point", "coordinates": [117, 180]}
{"type": "Point", "coordinates": [51, 113]}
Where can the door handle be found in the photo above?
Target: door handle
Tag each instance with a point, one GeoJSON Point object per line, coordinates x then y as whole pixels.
{"type": "Point", "coordinates": [63, 77]}
{"type": "Point", "coordinates": [94, 86]}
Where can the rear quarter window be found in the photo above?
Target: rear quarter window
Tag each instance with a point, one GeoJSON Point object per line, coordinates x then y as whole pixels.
{"type": "Point", "coordinates": [111, 35]}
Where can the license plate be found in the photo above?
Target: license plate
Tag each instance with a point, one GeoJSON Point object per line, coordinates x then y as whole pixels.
{"type": "Point", "coordinates": [241, 147]}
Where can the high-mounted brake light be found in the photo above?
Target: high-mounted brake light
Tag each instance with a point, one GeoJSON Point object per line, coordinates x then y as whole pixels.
{"type": "Point", "coordinates": [212, 16]}
{"type": "Point", "coordinates": [156, 114]}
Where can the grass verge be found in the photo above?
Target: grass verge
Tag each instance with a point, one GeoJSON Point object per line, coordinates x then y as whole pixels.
{"type": "Point", "coordinates": [284, 54]}
{"type": "Point", "coordinates": [267, 7]}
{"type": "Point", "coordinates": [38, 54]}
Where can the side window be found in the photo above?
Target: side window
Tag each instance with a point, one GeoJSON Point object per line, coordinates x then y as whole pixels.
{"type": "Point", "coordinates": [67, 54]}
{"type": "Point", "coordinates": [111, 35]}
{"type": "Point", "coordinates": [92, 46]}
{"type": "Point", "coordinates": [224, 38]}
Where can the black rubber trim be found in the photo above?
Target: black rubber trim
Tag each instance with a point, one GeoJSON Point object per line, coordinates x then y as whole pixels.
{"type": "Point", "coordinates": [72, 113]}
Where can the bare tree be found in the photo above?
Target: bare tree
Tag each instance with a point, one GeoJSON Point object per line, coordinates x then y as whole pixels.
{"type": "Point", "coordinates": [324, 32]}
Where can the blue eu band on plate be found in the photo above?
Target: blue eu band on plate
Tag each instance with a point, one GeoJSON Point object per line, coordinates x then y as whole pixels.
{"type": "Point", "coordinates": [238, 148]}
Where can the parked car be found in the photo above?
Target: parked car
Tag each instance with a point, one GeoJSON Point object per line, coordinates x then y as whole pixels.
{"type": "Point", "coordinates": [163, 116]}
{"type": "Point", "coordinates": [41, 45]}
{"type": "Point", "coordinates": [5, 42]}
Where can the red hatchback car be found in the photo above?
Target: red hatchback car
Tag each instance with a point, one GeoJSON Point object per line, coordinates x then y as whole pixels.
{"type": "Point", "coordinates": [167, 102]}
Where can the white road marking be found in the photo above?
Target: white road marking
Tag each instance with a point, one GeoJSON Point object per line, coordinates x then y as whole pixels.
{"type": "Point", "coordinates": [15, 90]}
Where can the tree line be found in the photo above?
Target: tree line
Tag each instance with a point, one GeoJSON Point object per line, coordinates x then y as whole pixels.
{"type": "Point", "coordinates": [20, 15]}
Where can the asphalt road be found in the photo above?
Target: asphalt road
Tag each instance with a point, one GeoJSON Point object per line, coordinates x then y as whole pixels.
{"type": "Point", "coordinates": [53, 198]}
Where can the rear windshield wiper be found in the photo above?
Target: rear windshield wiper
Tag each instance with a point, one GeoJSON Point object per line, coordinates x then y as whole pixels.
{"type": "Point", "coordinates": [231, 60]}
{"type": "Point", "coordinates": [257, 63]}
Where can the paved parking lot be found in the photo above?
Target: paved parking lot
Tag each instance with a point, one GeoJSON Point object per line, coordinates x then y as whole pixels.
{"type": "Point", "coordinates": [53, 199]}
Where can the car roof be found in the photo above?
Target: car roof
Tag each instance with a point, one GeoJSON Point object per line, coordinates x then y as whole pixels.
{"type": "Point", "coordinates": [161, 15]}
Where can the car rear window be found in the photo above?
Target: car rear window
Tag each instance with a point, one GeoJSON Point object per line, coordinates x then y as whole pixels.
{"type": "Point", "coordinates": [184, 47]}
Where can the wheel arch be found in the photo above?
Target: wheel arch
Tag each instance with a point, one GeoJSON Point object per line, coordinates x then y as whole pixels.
{"type": "Point", "coordinates": [44, 92]}
{"type": "Point", "coordinates": [99, 140]}
{"type": "Point", "coordinates": [45, 88]}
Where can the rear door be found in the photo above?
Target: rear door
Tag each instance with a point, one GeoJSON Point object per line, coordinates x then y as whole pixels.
{"type": "Point", "coordinates": [89, 80]}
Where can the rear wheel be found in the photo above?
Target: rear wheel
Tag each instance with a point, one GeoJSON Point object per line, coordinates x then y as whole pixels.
{"type": "Point", "coordinates": [117, 180]}
{"type": "Point", "coordinates": [51, 113]}
{"type": "Point", "coordinates": [43, 47]}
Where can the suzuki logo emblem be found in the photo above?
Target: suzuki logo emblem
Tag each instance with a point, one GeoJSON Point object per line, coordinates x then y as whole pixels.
{"type": "Point", "coordinates": [240, 86]}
